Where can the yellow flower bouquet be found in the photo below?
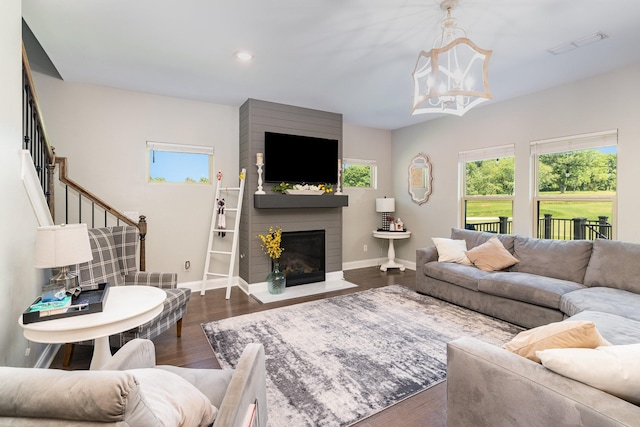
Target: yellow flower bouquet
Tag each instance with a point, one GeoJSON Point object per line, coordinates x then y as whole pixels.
{"type": "Point", "coordinates": [271, 242]}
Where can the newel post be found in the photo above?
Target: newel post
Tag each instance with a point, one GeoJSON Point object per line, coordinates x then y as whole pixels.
{"type": "Point", "coordinates": [142, 226]}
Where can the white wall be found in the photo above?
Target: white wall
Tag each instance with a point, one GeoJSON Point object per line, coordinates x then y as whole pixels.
{"type": "Point", "coordinates": [600, 103]}
{"type": "Point", "coordinates": [360, 217]}
{"type": "Point", "coordinates": [103, 133]}
{"type": "Point", "coordinates": [20, 282]}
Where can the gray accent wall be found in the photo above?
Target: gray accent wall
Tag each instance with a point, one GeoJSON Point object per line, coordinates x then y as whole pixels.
{"type": "Point", "coordinates": [256, 118]}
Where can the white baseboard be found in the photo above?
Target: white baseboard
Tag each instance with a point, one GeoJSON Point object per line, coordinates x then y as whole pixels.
{"type": "Point", "coordinates": [249, 288]}
{"type": "Point", "coordinates": [352, 265]}
{"type": "Point", "coordinates": [47, 356]}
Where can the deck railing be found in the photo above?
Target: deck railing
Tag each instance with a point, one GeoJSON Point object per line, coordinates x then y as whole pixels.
{"type": "Point", "coordinates": [554, 228]}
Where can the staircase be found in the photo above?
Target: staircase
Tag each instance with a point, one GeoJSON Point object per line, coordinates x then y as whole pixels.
{"type": "Point", "coordinates": [37, 147]}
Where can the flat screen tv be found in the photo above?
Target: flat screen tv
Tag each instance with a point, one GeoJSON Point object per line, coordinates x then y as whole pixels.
{"type": "Point", "coordinates": [296, 159]}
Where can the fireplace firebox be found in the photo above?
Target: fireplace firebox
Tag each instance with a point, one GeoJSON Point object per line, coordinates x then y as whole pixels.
{"type": "Point", "coordinates": [303, 258]}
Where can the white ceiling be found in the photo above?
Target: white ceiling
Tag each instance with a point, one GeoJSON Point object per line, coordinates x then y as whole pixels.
{"type": "Point", "coordinates": [353, 57]}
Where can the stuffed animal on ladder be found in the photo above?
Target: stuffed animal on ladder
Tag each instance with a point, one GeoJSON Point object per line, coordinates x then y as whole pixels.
{"type": "Point", "coordinates": [222, 222]}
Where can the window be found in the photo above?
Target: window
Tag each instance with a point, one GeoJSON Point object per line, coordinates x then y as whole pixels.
{"type": "Point", "coordinates": [575, 186]}
{"type": "Point", "coordinates": [179, 163]}
{"type": "Point", "coordinates": [359, 173]}
{"type": "Point", "coordinates": [487, 188]}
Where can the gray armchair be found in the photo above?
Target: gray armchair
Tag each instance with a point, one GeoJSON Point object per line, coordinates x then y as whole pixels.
{"type": "Point", "coordinates": [131, 390]}
{"type": "Point", "coordinates": [114, 261]}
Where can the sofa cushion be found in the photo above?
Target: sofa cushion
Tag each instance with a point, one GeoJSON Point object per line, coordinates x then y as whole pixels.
{"type": "Point", "coordinates": [491, 256]}
{"type": "Point", "coordinates": [213, 383]}
{"type": "Point", "coordinates": [450, 250]}
{"type": "Point", "coordinates": [476, 238]}
{"type": "Point", "coordinates": [607, 300]}
{"type": "Point", "coordinates": [99, 396]}
{"type": "Point", "coordinates": [565, 334]}
{"type": "Point", "coordinates": [560, 259]}
{"type": "Point", "coordinates": [613, 264]}
{"type": "Point", "coordinates": [529, 288]}
{"type": "Point", "coordinates": [465, 276]}
{"type": "Point", "coordinates": [617, 373]}
{"type": "Point", "coordinates": [615, 329]}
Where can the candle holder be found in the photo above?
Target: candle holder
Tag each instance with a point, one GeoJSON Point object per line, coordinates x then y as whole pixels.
{"type": "Point", "coordinates": [338, 184]}
{"type": "Point", "coordinates": [259, 191]}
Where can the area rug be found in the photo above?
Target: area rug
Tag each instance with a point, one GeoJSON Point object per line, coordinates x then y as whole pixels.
{"type": "Point", "coordinates": [336, 361]}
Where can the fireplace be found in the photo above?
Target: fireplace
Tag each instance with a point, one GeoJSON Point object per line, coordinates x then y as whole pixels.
{"type": "Point", "coordinates": [303, 258]}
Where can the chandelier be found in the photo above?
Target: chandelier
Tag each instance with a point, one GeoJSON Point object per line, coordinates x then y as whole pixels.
{"type": "Point", "coordinates": [452, 77]}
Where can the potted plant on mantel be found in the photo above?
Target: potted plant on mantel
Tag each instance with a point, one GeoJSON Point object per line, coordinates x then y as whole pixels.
{"type": "Point", "coordinates": [276, 280]}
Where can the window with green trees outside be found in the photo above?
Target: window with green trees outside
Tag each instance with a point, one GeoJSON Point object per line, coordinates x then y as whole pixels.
{"type": "Point", "coordinates": [359, 173]}
{"type": "Point", "coordinates": [576, 180]}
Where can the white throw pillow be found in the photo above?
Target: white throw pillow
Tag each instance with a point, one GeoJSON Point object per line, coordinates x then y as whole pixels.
{"type": "Point", "coordinates": [614, 368]}
{"type": "Point", "coordinates": [450, 250]}
{"type": "Point", "coordinates": [173, 400]}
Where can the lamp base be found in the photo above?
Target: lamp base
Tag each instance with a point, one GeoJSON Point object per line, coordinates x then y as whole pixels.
{"type": "Point", "coordinates": [60, 285]}
{"type": "Point", "coordinates": [385, 221]}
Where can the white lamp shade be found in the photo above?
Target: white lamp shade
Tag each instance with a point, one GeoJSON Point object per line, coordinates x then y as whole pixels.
{"type": "Point", "coordinates": [386, 204]}
{"type": "Point", "coordinates": [62, 245]}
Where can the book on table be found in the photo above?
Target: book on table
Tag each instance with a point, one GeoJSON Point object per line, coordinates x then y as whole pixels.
{"type": "Point", "coordinates": [90, 300]}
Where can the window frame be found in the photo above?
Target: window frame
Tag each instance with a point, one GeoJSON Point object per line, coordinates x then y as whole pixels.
{"type": "Point", "coordinates": [179, 149]}
{"type": "Point", "coordinates": [579, 142]}
{"type": "Point", "coordinates": [373, 165]}
{"type": "Point", "coordinates": [481, 154]}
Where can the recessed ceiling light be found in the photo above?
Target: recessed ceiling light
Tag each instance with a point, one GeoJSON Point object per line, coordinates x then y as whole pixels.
{"type": "Point", "coordinates": [244, 55]}
{"type": "Point", "coordinates": [582, 41]}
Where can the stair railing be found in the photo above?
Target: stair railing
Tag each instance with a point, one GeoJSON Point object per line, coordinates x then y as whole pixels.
{"type": "Point", "coordinates": [45, 161]}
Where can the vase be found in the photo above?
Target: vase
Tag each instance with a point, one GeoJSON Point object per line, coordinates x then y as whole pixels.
{"type": "Point", "coordinates": [276, 280]}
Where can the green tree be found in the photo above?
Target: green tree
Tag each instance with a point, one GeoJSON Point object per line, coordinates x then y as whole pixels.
{"type": "Point", "coordinates": [490, 177]}
{"type": "Point", "coordinates": [157, 179]}
{"type": "Point", "coordinates": [357, 176]}
{"type": "Point", "coordinates": [584, 170]}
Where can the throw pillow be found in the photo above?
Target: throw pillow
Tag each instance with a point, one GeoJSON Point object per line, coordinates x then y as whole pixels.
{"type": "Point", "coordinates": [450, 250]}
{"type": "Point", "coordinates": [491, 256]}
{"type": "Point", "coordinates": [567, 334]}
{"type": "Point", "coordinates": [172, 399]}
{"type": "Point", "coordinates": [614, 369]}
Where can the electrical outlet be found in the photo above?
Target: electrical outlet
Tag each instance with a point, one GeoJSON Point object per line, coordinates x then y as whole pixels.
{"type": "Point", "coordinates": [27, 351]}
{"type": "Point", "coordinates": [187, 265]}
{"type": "Point", "coordinates": [366, 248]}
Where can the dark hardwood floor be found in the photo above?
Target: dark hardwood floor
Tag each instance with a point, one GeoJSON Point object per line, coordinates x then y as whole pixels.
{"type": "Point", "coordinates": [192, 349]}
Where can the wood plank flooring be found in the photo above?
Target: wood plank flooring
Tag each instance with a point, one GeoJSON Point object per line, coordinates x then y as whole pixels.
{"type": "Point", "coordinates": [192, 349]}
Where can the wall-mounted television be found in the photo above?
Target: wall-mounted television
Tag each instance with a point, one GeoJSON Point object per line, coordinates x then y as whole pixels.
{"type": "Point", "coordinates": [297, 159]}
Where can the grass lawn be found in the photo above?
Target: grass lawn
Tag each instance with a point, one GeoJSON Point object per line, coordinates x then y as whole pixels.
{"type": "Point", "coordinates": [480, 210]}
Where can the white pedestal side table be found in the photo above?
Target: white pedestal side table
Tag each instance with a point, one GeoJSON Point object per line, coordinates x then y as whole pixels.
{"type": "Point", "coordinates": [391, 236]}
{"type": "Point", "coordinates": [126, 307]}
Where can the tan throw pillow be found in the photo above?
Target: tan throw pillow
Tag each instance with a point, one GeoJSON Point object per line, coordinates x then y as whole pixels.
{"type": "Point", "coordinates": [491, 256]}
{"type": "Point", "coordinates": [567, 334]}
{"type": "Point", "coordinates": [450, 250]}
{"type": "Point", "coordinates": [617, 373]}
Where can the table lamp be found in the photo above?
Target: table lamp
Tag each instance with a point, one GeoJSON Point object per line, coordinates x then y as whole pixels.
{"type": "Point", "coordinates": [385, 205]}
{"type": "Point", "coordinates": [62, 246]}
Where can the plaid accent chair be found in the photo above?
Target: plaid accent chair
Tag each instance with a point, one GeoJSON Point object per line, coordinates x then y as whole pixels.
{"type": "Point", "coordinates": [114, 261]}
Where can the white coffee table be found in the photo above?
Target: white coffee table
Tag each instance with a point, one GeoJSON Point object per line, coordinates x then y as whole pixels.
{"type": "Point", "coordinates": [125, 308]}
{"type": "Point", "coordinates": [391, 236]}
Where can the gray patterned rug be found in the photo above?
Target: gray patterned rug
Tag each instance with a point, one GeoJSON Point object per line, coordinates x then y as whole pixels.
{"type": "Point", "coordinates": [336, 361]}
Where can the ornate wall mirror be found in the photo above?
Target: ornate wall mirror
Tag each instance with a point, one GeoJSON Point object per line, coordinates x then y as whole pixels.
{"type": "Point", "coordinates": [420, 177]}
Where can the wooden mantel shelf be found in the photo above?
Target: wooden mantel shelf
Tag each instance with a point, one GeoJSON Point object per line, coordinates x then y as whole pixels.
{"type": "Point", "coordinates": [289, 201]}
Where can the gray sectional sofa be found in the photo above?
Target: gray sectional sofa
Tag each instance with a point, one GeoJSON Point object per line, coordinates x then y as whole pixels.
{"type": "Point", "coordinates": [553, 281]}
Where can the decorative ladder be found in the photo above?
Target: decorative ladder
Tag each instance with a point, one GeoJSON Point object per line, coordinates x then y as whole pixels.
{"type": "Point", "coordinates": [233, 232]}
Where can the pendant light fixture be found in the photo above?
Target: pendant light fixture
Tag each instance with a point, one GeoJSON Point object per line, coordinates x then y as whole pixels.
{"type": "Point", "coordinates": [452, 77]}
